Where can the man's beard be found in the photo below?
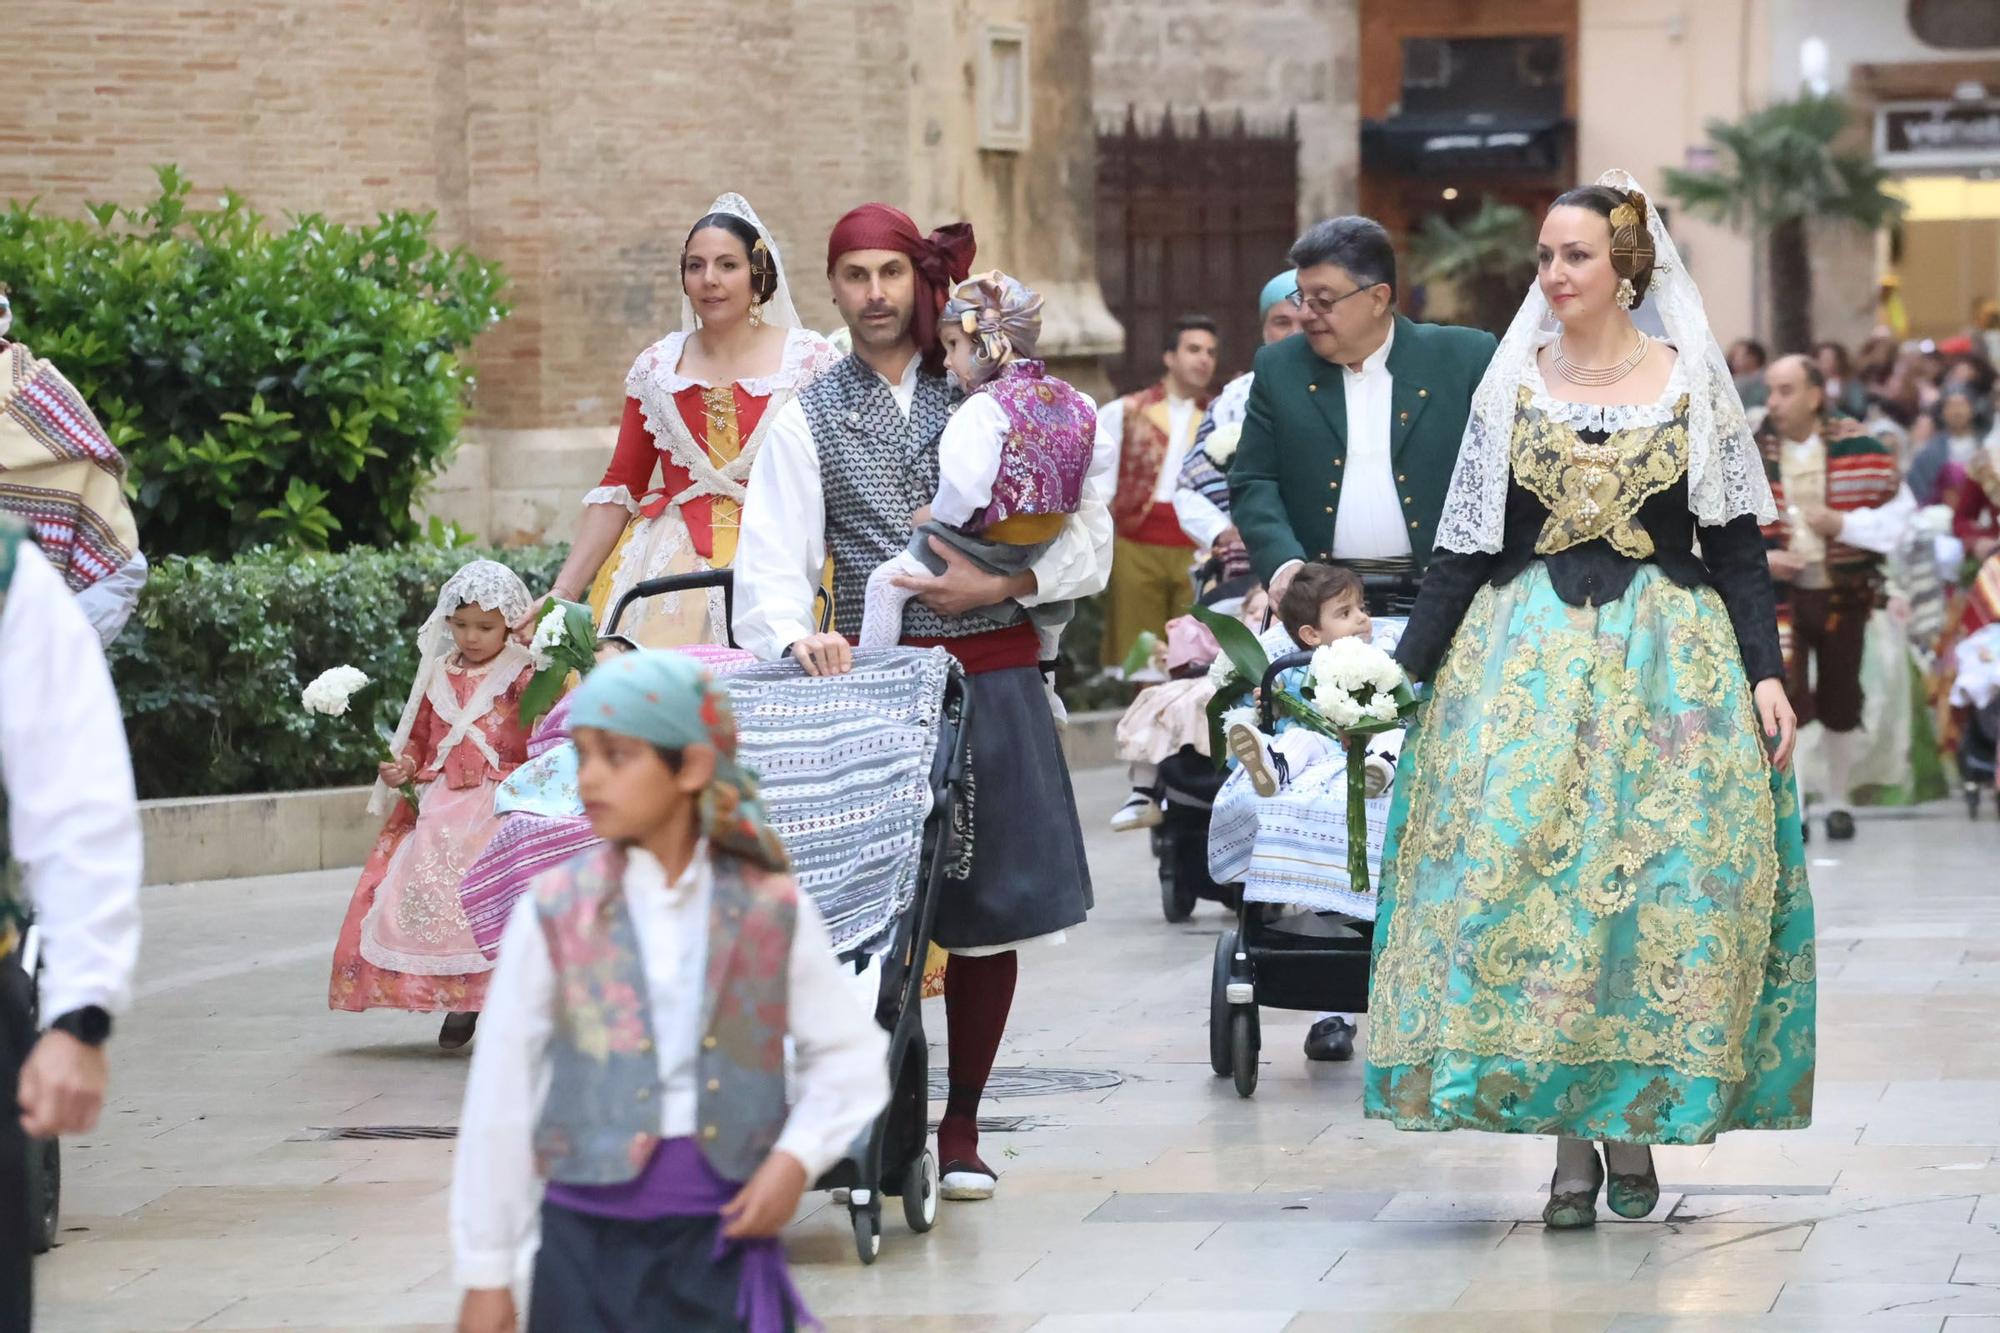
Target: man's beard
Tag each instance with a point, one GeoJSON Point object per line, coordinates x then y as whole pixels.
{"type": "Point", "coordinates": [879, 336]}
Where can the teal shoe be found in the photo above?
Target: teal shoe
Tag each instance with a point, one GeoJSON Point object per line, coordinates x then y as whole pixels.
{"type": "Point", "coordinates": [1634, 1196]}
{"type": "Point", "coordinates": [1571, 1209]}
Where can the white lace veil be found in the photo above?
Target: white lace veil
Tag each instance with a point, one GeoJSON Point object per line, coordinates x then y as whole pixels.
{"type": "Point", "coordinates": [779, 310]}
{"type": "Point", "coordinates": [1725, 470]}
{"type": "Point", "coordinates": [484, 583]}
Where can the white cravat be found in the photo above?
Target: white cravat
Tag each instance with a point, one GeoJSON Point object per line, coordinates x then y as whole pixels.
{"type": "Point", "coordinates": [1368, 522]}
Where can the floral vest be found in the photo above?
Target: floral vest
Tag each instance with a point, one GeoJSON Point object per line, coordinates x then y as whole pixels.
{"type": "Point", "coordinates": [1051, 431]}
{"type": "Point", "coordinates": [12, 914]}
{"type": "Point", "coordinates": [602, 1117]}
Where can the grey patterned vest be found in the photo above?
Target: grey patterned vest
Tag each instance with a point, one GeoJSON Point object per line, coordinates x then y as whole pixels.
{"type": "Point", "coordinates": [876, 469]}
{"type": "Point", "coordinates": [602, 1117]}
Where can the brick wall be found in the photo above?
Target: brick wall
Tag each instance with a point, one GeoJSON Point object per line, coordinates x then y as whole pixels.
{"type": "Point", "coordinates": [1265, 58]}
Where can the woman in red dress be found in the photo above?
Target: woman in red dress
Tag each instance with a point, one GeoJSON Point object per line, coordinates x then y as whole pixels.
{"type": "Point", "coordinates": [696, 404]}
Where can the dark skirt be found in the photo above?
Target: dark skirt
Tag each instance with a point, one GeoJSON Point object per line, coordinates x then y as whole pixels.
{"type": "Point", "coordinates": [1028, 876]}
{"type": "Point", "coordinates": [608, 1275]}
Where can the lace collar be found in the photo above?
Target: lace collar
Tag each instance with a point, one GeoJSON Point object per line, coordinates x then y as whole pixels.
{"type": "Point", "coordinates": [658, 367]}
{"type": "Point", "coordinates": [1607, 417]}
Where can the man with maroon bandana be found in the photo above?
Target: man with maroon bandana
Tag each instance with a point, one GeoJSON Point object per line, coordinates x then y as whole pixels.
{"type": "Point", "coordinates": [844, 467]}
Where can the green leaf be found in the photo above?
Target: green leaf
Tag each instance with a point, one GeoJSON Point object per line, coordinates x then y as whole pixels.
{"type": "Point", "coordinates": [1241, 647]}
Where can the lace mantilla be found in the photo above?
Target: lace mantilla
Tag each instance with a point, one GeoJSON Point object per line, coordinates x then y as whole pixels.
{"type": "Point", "coordinates": [1725, 469]}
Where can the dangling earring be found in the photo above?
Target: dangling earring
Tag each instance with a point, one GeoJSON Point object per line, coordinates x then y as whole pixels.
{"type": "Point", "coordinates": [1628, 295]}
{"type": "Point", "coordinates": [756, 316]}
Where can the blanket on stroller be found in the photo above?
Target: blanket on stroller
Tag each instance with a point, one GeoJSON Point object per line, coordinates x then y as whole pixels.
{"type": "Point", "coordinates": [845, 765]}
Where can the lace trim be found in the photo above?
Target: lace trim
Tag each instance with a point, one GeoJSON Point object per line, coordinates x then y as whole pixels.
{"type": "Point", "coordinates": [807, 356]}
{"type": "Point", "coordinates": [611, 495]}
{"type": "Point", "coordinates": [1608, 417]}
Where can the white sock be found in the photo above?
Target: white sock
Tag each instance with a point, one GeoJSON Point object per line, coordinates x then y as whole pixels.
{"type": "Point", "coordinates": [883, 602]}
{"type": "Point", "coordinates": [1577, 1168]}
{"type": "Point", "coordinates": [1839, 748]}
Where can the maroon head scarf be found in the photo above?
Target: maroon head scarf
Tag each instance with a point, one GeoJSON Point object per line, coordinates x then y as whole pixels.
{"type": "Point", "coordinates": [942, 260]}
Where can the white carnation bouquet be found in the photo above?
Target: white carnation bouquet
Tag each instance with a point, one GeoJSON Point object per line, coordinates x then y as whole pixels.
{"type": "Point", "coordinates": [1221, 444]}
{"type": "Point", "coordinates": [331, 694]}
{"type": "Point", "coordinates": [565, 641]}
{"type": "Point", "coordinates": [1352, 690]}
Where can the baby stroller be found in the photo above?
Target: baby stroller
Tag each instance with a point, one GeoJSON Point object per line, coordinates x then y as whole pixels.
{"type": "Point", "coordinates": [1189, 781]}
{"type": "Point", "coordinates": [21, 973]}
{"type": "Point", "coordinates": [1258, 965]}
{"type": "Point", "coordinates": [894, 1157]}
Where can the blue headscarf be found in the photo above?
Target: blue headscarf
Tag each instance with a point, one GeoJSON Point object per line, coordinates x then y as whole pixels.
{"type": "Point", "coordinates": [667, 699]}
{"type": "Point", "coordinates": [1277, 289]}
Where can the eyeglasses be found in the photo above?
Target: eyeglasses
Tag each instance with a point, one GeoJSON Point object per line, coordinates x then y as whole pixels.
{"type": "Point", "coordinates": [1323, 305]}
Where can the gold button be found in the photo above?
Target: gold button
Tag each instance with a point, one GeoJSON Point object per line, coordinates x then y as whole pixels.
{"type": "Point", "coordinates": [708, 1131]}
{"type": "Point", "coordinates": [1408, 501]}
{"type": "Point", "coordinates": [1401, 477]}
{"type": "Point", "coordinates": [1340, 462]}
{"type": "Point", "coordinates": [1423, 393]}
{"type": "Point", "coordinates": [1312, 388]}
{"type": "Point", "coordinates": [715, 1085]}
{"type": "Point", "coordinates": [1402, 416]}
{"type": "Point", "coordinates": [708, 1043]}
{"type": "Point", "coordinates": [1329, 509]}
{"type": "Point", "coordinates": [1413, 525]}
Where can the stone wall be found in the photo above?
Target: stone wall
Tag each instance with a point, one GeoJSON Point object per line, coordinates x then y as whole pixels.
{"type": "Point", "coordinates": [1265, 58]}
{"type": "Point", "coordinates": [573, 141]}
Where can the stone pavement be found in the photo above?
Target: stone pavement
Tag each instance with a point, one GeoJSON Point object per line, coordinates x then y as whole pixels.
{"type": "Point", "coordinates": [211, 1197]}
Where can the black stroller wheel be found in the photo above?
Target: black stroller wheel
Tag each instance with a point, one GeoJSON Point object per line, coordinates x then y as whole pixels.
{"type": "Point", "coordinates": [1218, 1006]}
{"type": "Point", "coordinates": [920, 1193]}
{"type": "Point", "coordinates": [1177, 903]}
{"type": "Point", "coordinates": [1243, 1042]}
{"type": "Point", "coordinates": [867, 1232]}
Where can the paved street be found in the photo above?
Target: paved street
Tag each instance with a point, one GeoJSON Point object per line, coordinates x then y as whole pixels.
{"type": "Point", "coordinates": [1156, 1200]}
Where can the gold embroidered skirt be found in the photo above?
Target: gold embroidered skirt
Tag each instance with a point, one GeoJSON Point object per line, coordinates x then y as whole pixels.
{"type": "Point", "coordinates": [1594, 912]}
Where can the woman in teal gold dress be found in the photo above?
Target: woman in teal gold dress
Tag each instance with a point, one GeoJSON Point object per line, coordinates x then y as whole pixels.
{"type": "Point", "coordinates": [1594, 921]}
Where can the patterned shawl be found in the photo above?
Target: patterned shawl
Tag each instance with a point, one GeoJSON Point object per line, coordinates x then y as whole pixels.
{"type": "Point", "coordinates": [60, 473]}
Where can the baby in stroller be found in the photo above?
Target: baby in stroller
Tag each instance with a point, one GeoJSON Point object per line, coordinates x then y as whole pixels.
{"type": "Point", "coordinates": [1280, 821]}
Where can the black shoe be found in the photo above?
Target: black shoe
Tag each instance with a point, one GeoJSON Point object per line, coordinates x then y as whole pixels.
{"type": "Point", "coordinates": [1840, 826]}
{"type": "Point", "coordinates": [1331, 1038]}
{"type": "Point", "coordinates": [457, 1030]}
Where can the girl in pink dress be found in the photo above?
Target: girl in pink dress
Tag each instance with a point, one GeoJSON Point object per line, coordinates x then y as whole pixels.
{"type": "Point", "coordinates": [406, 942]}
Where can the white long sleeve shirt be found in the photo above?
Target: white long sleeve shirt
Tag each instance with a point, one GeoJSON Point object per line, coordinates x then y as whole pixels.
{"type": "Point", "coordinates": [1881, 528]}
{"type": "Point", "coordinates": [1201, 518]}
{"type": "Point", "coordinates": [107, 604]}
{"type": "Point", "coordinates": [781, 547]}
{"type": "Point", "coordinates": [72, 817]}
{"type": "Point", "coordinates": [1369, 522]}
{"type": "Point", "coordinates": [840, 1075]}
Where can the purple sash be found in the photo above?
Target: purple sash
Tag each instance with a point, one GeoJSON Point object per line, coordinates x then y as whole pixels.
{"type": "Point", "coordinates": [678, 1182]}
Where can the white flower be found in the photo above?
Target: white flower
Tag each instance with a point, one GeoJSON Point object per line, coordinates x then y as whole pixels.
{"type": "Point", "coordinates": [331, 690]}
{"type": "Point", "coordinates": [1353, 680]}
{"type": "Point", "coordinates": [1221, 671]}
{"type": "Point", "coordinates": [1341, 710]}
{"type": "Point", "coordinates": [1381, 708]}
{"type": "Point", "coordinates": [1232, 716]}
{"type": "Point", "coordinates": [1221, 445]}
{"type": "Point", "coordinates": [551, 632]}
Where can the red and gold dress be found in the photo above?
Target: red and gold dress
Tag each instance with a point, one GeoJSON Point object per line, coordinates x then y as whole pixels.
{"type": "Point", "coordinates": [701, 439]}
{"type": "Point", "coordinates": [406, 942]}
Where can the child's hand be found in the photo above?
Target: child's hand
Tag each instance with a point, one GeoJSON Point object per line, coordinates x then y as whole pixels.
{"type": "Point", "coordinates": [764, 1205]}
{"type": "Point", "coordinates": [396, 774]}
{"type": "Point", "coordinates": [487, 1310]}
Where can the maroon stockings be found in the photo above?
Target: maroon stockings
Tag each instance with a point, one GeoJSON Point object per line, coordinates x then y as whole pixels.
{"type": "Point", "coordinates": [978, 992]}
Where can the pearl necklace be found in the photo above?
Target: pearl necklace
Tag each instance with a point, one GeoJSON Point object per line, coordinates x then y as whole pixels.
{"type": "Point", "coordinates": [1596, 377]}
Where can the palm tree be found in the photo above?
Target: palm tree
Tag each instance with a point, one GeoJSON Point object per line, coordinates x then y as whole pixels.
{"type": "Point", "coordinates": [1781, 170]}
{"type": "Point", "coordinates": [1490, 258]}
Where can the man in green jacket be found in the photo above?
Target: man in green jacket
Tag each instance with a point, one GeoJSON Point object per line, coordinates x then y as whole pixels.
{"type": "Point", "coordinates": [1351, 432]}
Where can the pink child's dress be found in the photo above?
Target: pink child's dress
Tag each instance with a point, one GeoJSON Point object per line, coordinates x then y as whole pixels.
{"type": "Point", "coordinates": [406, 942]}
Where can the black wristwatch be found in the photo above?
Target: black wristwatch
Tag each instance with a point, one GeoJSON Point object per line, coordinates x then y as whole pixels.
{"type": "Point", "coordinates": [89, 1025]}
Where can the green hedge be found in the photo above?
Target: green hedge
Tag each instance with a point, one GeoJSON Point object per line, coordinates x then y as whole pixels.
{"type": "Point", "coordinates": [296, 385]}
{"type": "Point", "coordinates": [210, 668]}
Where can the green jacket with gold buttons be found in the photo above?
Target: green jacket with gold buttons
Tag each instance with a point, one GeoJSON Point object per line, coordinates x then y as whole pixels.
{"type": "Point", "coordinates": [1285, 477]}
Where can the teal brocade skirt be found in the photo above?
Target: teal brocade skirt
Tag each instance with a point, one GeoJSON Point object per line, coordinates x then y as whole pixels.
{"type": "Point", "coordinates": [1594, 912]}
